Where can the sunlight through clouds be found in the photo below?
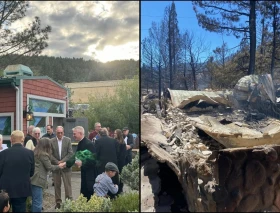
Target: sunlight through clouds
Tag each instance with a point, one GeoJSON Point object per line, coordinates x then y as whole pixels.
{"type": "Point", "coordinates": [100, 30]}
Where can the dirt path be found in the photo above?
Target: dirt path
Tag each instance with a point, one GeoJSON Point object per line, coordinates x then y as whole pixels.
{"type": "Point", "coordinates": [49, 201]}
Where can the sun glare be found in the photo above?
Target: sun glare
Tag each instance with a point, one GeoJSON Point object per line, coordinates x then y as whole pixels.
{"type": "Point", "coordinates": [121, 52]}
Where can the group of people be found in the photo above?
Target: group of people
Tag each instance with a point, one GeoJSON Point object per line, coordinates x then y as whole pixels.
{"type": "Point", "coordinates": [24, 167]}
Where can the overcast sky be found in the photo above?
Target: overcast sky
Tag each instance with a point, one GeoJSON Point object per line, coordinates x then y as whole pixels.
{"type": "Point", "coordinates": [99, 30]}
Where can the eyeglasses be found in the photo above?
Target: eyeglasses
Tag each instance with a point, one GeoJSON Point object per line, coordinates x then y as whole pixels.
{"type": "Point", "coordinates": [59, 132]}
{"type": "Point", "coordinates": [36, 133]}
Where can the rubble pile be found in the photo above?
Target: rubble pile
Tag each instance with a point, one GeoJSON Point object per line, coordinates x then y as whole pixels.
{"type": "Point", "coordinates": [222, 146]}
{"type": "Point", "coordinates": [213, 177]}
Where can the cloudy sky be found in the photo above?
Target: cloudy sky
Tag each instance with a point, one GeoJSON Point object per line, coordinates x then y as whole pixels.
{"type": "Point", "coordinates": [99, 30]}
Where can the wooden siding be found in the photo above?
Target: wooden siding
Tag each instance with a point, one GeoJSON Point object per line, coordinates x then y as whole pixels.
{"type": "Point", "coordinates": [8, 101]}
{"type": "Point", "coordinates": [44, 88]}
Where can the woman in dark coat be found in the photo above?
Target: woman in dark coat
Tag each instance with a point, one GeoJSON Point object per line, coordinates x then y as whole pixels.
{"type": "Point", "coordinates": [121, 150]}
{"type": "Point", "coordinates": [118, 135]}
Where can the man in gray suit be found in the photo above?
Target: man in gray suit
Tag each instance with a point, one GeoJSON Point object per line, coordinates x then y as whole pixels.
{"type": "Point", "coordinates": [61, 152]}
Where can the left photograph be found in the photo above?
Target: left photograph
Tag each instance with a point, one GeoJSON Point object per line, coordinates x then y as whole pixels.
{"type": "Point", "coordinates": [69, 112]}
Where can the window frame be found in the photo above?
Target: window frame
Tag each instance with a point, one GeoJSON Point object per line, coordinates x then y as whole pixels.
{"type": "Point", "coordinates": [11, 114]}
{"type": "Point", "coordinates": [45, 114]}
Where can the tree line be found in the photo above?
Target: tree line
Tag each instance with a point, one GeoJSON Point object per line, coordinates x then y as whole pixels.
{"type": "Point", "coordinates": [26, 46]}
{"type": "Point", "coordinates": [67, 70]}
{"type": "Point", "coordinates": [173, 59]}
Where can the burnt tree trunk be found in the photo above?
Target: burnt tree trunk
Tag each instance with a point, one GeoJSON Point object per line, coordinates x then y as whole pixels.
{"type": "Point", "coordinates": [170, 53]}
{"type": "Point", "coordinates": [274, 25]}
{"type": "Point", "coordinates": [193, 73]}
{"type": "Point", "coordinates": [185, 76]}
{"type": "Point", "coordinates": [151, 67]}
{"type": "Point", "coordinates": [252, 30]}
{"type": "Point", "coordinates": [159, 83]}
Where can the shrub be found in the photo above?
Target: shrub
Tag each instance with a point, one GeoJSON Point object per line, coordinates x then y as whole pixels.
{"type": "Point", "coordinates": [118, 110]}
{"type": "Point", "coordinates": [130, 173]}
{"type": "Point", "coordinates": [95, 204]}
{"type": "Point", "coordinates": [127, 202]}
{"type": "Point", "coordinates": [28, 204]}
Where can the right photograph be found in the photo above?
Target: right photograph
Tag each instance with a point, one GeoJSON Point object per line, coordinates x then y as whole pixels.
{"type": "Point", "coordinates": [210, 93]}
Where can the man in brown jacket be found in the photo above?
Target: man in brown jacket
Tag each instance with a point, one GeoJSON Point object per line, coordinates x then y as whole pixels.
{"type": "Point", "coordinates": [61, 152]}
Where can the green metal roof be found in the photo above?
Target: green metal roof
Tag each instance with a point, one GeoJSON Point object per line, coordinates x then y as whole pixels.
{"type": "Point", "coordinates": [6, 82]}
{"type": "Point", "coordinates": [13, 74]}
{"type": "Point", "coordinates": [17, 69]}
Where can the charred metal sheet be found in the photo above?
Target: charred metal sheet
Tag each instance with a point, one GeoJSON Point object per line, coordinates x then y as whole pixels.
{"type": "Point", "coordinates": [268, 86]}
{"type": "Point", "coordinates": [183, 98]}
{"type": "Point", "coordinates": [250, 87]}
{"type": "Point", "coordinates": [235, 135]}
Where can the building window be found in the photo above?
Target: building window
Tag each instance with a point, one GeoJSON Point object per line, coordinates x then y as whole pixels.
{"type": "Point", "coordinates": [46, 106]}
{"type": "Point", "coordinates": [39, 122]}
{"type": "Point", "coordinates": [6, 124]}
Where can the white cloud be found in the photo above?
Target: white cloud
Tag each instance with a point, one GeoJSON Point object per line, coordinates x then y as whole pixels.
{"type": "Point", "coordinates": [100, 30]}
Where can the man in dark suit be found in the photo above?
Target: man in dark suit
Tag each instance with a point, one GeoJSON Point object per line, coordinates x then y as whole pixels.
{"type": "Point", "coordinates": [88, 167]}
{"type": "Point", "coordinates": [128, 139]}
{"type": "Point", "coordinates": [106, 151]}
{"type": "Point", "coordinates": [49, 133]}
{"type": "Point", "coordinates": [61, 152]}
{"type": "Point", "coordinates": [16, 168]}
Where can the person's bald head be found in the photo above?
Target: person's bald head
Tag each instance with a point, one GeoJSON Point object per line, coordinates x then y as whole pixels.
{"type": "Point", "coordinates": [30, 129]}
{"type": "Point", "coordinates": [17, 136]}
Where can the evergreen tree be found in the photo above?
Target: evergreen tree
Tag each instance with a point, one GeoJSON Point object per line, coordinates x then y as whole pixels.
{"type": "Point", "coordinates": [30, 41]}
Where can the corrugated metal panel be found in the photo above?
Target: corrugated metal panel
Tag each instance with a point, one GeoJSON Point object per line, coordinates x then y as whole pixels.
{"type": "Point", "coordinates": [180, 98]}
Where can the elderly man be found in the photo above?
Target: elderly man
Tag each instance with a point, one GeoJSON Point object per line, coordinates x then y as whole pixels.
{"type": "Point", "coordinates": [29, 135]}
{"type": "Point", "coordinates": [49, 133]}
{"type": "Point", "coordinates": [16, 168]}
{"type": "Point", "coordinates": [61, 152]}
{"type": "Point", "coordinates": [1, 144]}
{"type": "Point", "coordinates": [31, 144]}
{"type": "Point", "coordinates": [88, 169]}
{"type": "Point", "coordinates": [94, 135]}
{"type": "Point", "coordinates": [128, 139]}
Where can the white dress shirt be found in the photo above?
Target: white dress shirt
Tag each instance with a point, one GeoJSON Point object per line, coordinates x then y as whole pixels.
{"type": "Point", "coordinates": [59, 147]}
{"type": "Point", "coordinates": [125, 140]}
{"type": "Point", "coordinates": [4, 146]}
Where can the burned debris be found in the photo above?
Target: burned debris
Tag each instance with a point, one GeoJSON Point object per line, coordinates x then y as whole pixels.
{"type": "Point", "coordinates": [224, 154]}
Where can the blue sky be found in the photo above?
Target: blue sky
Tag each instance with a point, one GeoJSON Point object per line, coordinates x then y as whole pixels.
{"type": "Point", "coordinates": [154, 11]}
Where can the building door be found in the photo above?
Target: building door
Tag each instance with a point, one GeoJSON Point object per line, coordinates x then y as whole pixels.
{"type": "Point", "coordinates": [70, 123]}
{"type": "Point", "coordinates": [57, 122]}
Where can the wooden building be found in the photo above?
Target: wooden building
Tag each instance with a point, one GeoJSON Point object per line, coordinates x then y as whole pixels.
{"type": "Point", "coordinates": [21, 92]}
